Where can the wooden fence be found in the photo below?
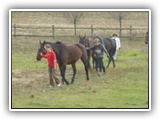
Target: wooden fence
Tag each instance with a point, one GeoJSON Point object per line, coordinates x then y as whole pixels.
{"type": "Point", "coordinates": [53, 31]}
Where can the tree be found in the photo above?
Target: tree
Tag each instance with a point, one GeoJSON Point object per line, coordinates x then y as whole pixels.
{"type": "Point", "coordinates": [74, 17]}
{"type": "Point", "coordinates": [119, 16]}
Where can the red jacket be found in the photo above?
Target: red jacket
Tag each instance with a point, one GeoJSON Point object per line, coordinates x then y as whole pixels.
{"type": "Point", "coordinates": [51, 57]}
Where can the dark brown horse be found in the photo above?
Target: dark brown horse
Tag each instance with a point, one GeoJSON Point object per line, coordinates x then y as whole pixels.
{"type": "Point", "coordinates": [146, 38]}
{"type": "Point", "coordinates": [110, 45]}
{"type": "Point", "coordinates": [67, 54]}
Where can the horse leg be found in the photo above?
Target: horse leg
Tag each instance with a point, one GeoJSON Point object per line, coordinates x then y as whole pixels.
{"type": "Point", "coordinates": [74, 72]}
{"type": "Point", "coordinates": [113, 63]}
{"type": "Point", "coordinates": [63, 69]}
{"type": "Point", "coordinates": [93, 62]}
{"type": "Point", "coordinates": [86, 67]}
{"type": "Point", "coordinates": [104, 70]}
{"type": "Point", "coordinates": [109, 61]}
{"type": "Point", "coordinates": [61, 72]}
{"type": "Point", "coordinates": [89, 65]}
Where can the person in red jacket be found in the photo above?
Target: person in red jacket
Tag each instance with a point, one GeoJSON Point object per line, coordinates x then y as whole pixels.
{"type": "Point", "coordinates": [52, 65]}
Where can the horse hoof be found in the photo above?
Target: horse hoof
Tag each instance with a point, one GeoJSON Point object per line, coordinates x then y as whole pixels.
{"type": "Point", "coordinates": [67, 83]}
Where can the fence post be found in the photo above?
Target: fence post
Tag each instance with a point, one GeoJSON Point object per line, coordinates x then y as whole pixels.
{"type": "Point", "coordinates": [91, 30]}
{"type": "Point", "coordinates": [53, 31]}
{"type": "Point", "coordinates": [14, 30]}
{"type": "Point", "coordinates": [130, 32]}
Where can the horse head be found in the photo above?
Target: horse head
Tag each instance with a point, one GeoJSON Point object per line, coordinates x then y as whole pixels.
{"type": "Point", "coordinates": [41, 49]}
{"type": "Point", "coordinates": [82, 40]}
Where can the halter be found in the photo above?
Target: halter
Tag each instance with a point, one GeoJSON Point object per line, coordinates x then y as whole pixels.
{"type": "Point", "coordinates": [43, 50]}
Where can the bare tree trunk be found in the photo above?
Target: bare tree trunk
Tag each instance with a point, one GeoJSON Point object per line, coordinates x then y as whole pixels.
{"type": "Point", "coordinates": [74, 18]}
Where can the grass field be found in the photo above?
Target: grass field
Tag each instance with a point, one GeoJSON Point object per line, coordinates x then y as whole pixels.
{"type": "Point", "coordinates": [126, 86]}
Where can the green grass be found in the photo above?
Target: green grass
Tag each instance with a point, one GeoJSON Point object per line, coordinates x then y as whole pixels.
{"type": "Point", "coordinates": [126, 86]}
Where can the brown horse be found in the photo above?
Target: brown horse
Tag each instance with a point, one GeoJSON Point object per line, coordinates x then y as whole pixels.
{"type": "Point", "coordinates": [146, 38]}
{"type": "Point", "coordinates": [67, 54]}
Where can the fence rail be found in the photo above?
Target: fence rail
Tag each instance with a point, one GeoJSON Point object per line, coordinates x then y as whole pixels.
{"type": "Point", "coordinates": [53, 31]}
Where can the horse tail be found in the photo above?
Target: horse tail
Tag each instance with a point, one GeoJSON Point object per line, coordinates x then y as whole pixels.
{"type": "Point", "coordinates": [84, 56]}
{"type": "Point", "coordinates": [114, 50]}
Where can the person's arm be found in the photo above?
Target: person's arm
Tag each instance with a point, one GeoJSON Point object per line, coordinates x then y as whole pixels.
{"type": "Point", "coordinates": [44, 56]}
{"type": "Point", "coordinates": [91, 48]}
{"type": "Point", "coordinates": [54, 61]}
{"type": "Point", "coordinates": [105, 50]}
{"type": "Point", "coordinates": [101, 40]}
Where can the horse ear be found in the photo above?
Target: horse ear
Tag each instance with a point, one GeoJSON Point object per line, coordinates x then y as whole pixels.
{"type": "Point", "coordinates": [44, 42]}
{"type": "Point", "coordinates": [85, 36]}
{"type": "Point", "coordinates": [40, 42]}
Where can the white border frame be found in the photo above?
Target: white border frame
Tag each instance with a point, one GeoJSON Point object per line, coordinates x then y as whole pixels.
{"type": "Point", "coordinates": [89, 10]}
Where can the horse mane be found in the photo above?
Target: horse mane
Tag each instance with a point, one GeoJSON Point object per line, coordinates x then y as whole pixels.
{"type": "Point", "coordinates": [58, 42]}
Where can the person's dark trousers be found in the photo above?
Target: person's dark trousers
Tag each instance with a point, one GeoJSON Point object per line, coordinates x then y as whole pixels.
{"type": "Point", "coordinates": [52, 74]}
{"type": "Point", "coordinates": [100, 63]}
